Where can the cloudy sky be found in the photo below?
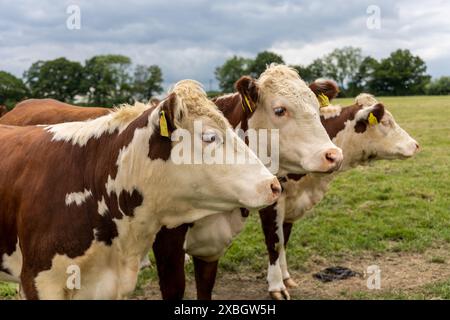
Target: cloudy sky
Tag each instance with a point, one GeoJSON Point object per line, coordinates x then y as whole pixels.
{"type": "Point", "coordinates": [188, 39]}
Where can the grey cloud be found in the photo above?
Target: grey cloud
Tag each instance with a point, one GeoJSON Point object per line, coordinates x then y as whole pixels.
{"type": "Point", "coordinates": [190, 38]}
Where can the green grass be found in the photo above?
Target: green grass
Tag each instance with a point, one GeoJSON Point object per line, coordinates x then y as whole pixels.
{"type": "Point", "coordinates": [8, 290]}
{"type": "Point", "coordinates": [438, 290]}
{"type": "Point", "coordinates": [390, 206]}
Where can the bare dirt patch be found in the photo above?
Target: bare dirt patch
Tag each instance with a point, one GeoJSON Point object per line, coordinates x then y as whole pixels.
{"type": "Point", "coordinates": [404, 273]}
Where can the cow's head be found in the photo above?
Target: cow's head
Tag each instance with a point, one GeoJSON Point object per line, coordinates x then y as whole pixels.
{"type": "Point", "coordinates": [211, 167]}
{"type": "Point", "coordinates": [281, 100]}
{"type": "Point", "coordinates": [374, 134]}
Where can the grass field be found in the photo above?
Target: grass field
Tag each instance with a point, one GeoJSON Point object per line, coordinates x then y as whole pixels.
{"type": "Point", "coordinates": [396, 213]}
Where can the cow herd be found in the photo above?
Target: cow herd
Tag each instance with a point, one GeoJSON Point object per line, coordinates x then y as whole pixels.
{"type": "Point", "coordinates": [97, 189]}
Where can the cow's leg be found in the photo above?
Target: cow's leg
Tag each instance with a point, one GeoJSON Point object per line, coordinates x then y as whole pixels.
{"type": "Point", "coordinates": [28, 287]}
{"type": "Point", "coordinates": [288, 281]}
{"type": "Point", "coordinates": [272, 225]}
{"type": "Point", "coordinates": [169, 256]}
{"type": "Point", "coordinates": [205, 277]}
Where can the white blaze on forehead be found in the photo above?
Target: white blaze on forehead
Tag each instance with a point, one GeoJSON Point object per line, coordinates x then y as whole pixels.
{"type": "Point", "coordinates": [196, 102]}
{"type": "Point", "coordinates": [366, 99]}
{"type": "Point", "coordinates": [330, 111]}
{"type": "Point", "coordinates": [80, 132]}
{"type": "Point", "coordinates": [285, 81]}
{"type": "Point", "coordinates": [78, 197]}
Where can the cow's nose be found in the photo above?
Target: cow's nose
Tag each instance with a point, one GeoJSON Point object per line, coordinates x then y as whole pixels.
{"type": "Point", "coordinates": [417, 147]}
{"type": "Point", "coordinates": [334, 158]}
{"type": "Point", "coordinates": [276, 188]}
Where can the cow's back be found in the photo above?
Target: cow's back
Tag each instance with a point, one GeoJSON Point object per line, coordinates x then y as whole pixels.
{"type": "Point", "coordinates": [49, 111]}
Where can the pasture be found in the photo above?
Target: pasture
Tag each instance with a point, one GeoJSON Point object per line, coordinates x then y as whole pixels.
{"type": "Point", "coordinates": [394, 214]}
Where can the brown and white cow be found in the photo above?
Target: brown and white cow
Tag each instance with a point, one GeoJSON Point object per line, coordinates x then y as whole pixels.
{"type": "Point", "coordinates": [90, 196]}
{"type": "Point", "coordinates": [3, 110]}
{"type": "Point", "coordinates": [366, 132]}
{"type": "Point", "coordinates": [361, 138]}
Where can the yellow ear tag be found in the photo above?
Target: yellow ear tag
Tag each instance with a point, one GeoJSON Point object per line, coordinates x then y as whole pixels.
{"type": "Point", "coordinates": [163, 124]}
{"type": "Point", "coordinates": [372, 119]}
{"type": "Point", "coordinates": [248, 103]}
{"type": "Point", "coordinates": [323, 100]}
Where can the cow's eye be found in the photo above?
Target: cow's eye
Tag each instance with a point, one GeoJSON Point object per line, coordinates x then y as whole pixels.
{"type": "Point", "coordinates": [280, 111]}
{"type": "Point", "coordinates": [209, 136]}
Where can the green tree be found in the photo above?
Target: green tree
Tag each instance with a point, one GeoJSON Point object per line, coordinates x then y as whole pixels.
{"type": "Point", "coordinates": [147, 82]}
{"type": "Point", "coordinates": [364, 76]}
{"type": "Point", "coordinates": [231, 71]}
{"type": "Point", "coordinates": [59, 79]}
{"type": "Point", "coordinates": [303, 71]}
{"type": "Point", "coordinates": [312, 71]}
{"type": "Point", "coordinates": [262, 60]}
{"type": "Point", "coordinates": [12, 89]}
{"type": "Point", "coordinates": [400, 74]}
{"type": "Point", "coordinates": [342, 65]}
{"type": "Point", "coordinates": [440, 86]}
{"type": "Point", "coordinates": [106, 80]}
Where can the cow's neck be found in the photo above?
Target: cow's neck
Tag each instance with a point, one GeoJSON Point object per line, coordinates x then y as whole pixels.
{"type": "Point", "coordinates": [304, 193]}
{"type": "Point", "coordinates": [141, 168]}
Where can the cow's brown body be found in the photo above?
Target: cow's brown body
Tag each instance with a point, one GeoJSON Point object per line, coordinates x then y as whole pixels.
{"type": "Point", "coordinates": [31, 163]}
{"type": "Point", "coordinates": [49, 111]}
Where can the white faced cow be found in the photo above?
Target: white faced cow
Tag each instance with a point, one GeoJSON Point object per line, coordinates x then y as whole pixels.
{"type": "Point", "coordinates": [89, 197]}
{"type": "Point", "coordinates": [365, 131]}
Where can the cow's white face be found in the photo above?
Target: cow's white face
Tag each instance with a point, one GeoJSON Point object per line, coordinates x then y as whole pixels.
{"type": "Point", "coordinates": [373, 134]}
{"type": "Point", "coordinates": [210, 173]}
{"type": "Point", "coordinates": [285, 102]}
{"type": "Point", "coordinates": [384, 138]}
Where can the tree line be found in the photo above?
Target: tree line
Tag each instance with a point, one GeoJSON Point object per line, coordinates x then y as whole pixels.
{"type": "Point", "coordinates": [401, 73]}
{"type": "Point", "coordinates": [108, 80]}
{"type": "Point", "coordinates": [104, 80]}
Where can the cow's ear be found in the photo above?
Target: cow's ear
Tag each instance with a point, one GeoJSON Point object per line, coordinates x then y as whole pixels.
{"type": "Point", "coordinates": [376, 114]}
{"type": "Point", "coordinates": [325, 90]}
{"type": "Point", "coordinates": [170, 115]}
{"type": "Point", "coordinates": [248, 88]}
{"type": "Point", "coordinates": [370, 117]}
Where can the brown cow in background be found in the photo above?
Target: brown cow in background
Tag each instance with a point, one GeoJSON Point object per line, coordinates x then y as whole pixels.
{"type": "Point", "coordinates": [39, 111]}
{"type": "Point", "coordinates": [3, 110]}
